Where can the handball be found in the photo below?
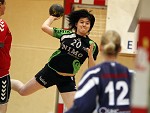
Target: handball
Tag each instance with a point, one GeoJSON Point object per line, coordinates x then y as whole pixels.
{"type": "Point", "coordinates": [56, 10]}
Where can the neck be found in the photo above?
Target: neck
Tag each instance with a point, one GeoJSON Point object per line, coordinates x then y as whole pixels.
{"type": "Point", "coordinates": [110, 58]}
{"type": "Point", "coordinates": [84, 35]}
{"type": "Point", "coordinates": [81, 34]}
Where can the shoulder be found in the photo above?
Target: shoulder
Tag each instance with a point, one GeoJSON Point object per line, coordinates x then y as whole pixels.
{"type": "Point", "coordinates": [90, 73]}
{"type": "Point", "coordinates": [121, 66]}
{"type": "Point", "coordinates": [3, 26]}
{"type": "Point", "coordinates": [130, 71]}
{"type": "Point", "coordinates": [93, 70]}
{"type": "Point", "coordinates": [59, 32]}
{"type": "Point", "coordinates": [63, 31]}
{"type": "Point", "coordinates": [95, 44]}
{"type": "Point", "coordinates": [92, 41]}
{"type": "Point", "coordinates": [2, 22]}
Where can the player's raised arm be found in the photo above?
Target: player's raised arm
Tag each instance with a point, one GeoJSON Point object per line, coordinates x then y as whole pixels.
{"type": "Point", "coordinates": [56, 11]}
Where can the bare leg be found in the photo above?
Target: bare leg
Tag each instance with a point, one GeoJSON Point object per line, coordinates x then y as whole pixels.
{"type": "Point", "coordinates": [25, 89]}
{"type": "Point", "coordinates": [3, 108]}
{"type": "Point", "coordinates": [68, 98]}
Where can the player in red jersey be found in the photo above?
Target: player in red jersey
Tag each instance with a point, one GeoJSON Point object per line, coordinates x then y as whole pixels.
{"type": "Point", "coordinates": [5, 59]}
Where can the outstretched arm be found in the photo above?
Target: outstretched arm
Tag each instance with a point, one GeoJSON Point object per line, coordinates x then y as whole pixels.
{"type": "Point", "coordinates": [46, 26]}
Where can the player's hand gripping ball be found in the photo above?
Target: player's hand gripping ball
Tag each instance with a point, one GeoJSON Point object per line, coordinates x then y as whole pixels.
{"type": "Point", "coordinates": [56, 10]}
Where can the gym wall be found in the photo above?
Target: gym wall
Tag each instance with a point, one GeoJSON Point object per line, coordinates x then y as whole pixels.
{"type": "Point", "coordinates": [31, 49]}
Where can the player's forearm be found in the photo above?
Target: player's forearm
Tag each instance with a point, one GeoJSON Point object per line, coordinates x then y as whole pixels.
{"type": "Point", "coordinates": [91, 61]}
{"type": "Point", "coordinates": [46, 26]}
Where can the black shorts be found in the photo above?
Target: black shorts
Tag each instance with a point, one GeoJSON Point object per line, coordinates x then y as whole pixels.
{"type": "Point", "coordinates": [48, 77]}
{"type": "Point", "coordinates": [5, 88]}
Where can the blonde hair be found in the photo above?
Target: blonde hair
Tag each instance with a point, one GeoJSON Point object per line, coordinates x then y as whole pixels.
{"type": "Point", "coordinates": [111, 42]}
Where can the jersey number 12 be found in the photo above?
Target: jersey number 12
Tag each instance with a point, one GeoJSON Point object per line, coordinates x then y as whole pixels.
{"type": "Point", "coordinates": [120, 100]}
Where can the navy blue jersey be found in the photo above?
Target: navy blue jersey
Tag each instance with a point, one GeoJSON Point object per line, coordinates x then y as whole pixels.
{"type": "Point", "coordinates": [104, 88]}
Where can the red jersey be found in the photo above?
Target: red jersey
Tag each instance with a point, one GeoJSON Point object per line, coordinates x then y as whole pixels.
{"type": "Point", "coordinates": [6, 39]}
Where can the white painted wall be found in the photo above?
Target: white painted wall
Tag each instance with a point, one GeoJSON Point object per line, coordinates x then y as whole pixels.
{"type": "Point", "coordinates": [145, 10]}
{"type": "Point", "coordinates": [120, 14]}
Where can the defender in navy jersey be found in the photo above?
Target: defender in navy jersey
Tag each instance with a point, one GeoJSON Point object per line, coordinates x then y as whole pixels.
{"type": "Point", "coordinates": [106, 87]}
{"type": "Point", "coordinates": [75, 48]}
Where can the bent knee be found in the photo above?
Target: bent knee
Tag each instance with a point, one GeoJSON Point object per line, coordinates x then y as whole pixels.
{"type": "Point", "coordinates": [23, 92]}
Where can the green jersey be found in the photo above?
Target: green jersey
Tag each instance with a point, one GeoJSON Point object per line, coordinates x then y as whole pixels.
{"type": "Point", "coordinates": [72, 52]}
